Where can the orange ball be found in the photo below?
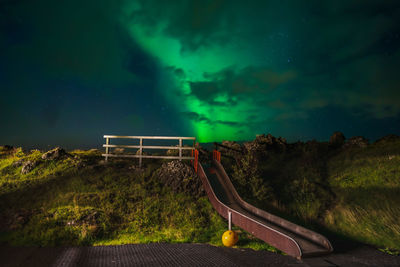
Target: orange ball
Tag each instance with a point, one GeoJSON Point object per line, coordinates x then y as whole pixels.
{"type": "Point", "coordinates": [230, 238]}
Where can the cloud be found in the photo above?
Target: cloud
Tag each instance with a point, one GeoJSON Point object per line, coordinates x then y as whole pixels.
{"type": "Point", "coordinates": [250, 82]}
{"type": "Point", "coordinates": [196, 117]}
{"type": "Point", "coordinates": [230, 123]}
{"type": "Point", "coordinates": [205, 91]}
{"type": "Point", "coordinates": [193, 22]}
{"type": "Point", "coordinates": [278, 61]}
{"type": "Point", "coordinates": [177, 72]}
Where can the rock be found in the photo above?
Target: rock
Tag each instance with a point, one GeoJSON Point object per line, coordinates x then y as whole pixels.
{"type": "Point", "coordinates": [143, 153]}
{"type": "Point", "coordinates": [173, 152]}
{"type": "Point", "coordinates": [29, 166]}
{"type": "Point", "coordinates": [251, 146]}
{"type": "Point", "coordinates": [230, 148]}
{"type": "Point", "coordinates": [337, 139]}
{"type": "Point", "coordinates": [8, 148]}
{"type": "Point", "coordinates": [91, 218]}
{"type": "Point", "coordinates": [18, 163]}
{"type": "Point", "coordinates": [55, 153]}
{"type": "Point", "coordinates": [81, 165]}
{"type": "Point", "coordinates": [20, 218]}
{"type": "Point", "coordinates": [356, 141]}
{"type": "Point", "coordinates": [388, 139]}
{"type": "Point", "coordinates": [119, 150]}
{"type": "Point", "coordinates": [180, 177]}
{"type": "Point", "coordinates": [264, 143]}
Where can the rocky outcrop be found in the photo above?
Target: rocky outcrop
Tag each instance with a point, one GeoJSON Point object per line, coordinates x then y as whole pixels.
{"type": "Point", "coordinates": [143, 152]}
{"type": "Point", "coordinates": [388, 139]}
{"type": "Point", "coordinates": [230, 148]}
{"type": "Point", "coordinates": [337, 139]}
{"type": "Point", "coordinates": [180, 177]}
{"type": "Point", "coordinates": [172, 152]}
{"type": "Point", "coordinates": [265, 143]}
{"type": "Point", "coordinates": [119, 150]}
{"type": "Point", "coordinates": [356, 141]}
{"type": "Point", "coordinates": [19, 219]}
{"type": "Point", "coordinates": [7, 148]}
{"type": "Point", "coordinates": [28, 166]}
{"type": "Point", "coordinates": [175, 152]}
{"type": "Point", "coordinates": [18, 163]}
{"type": "Point", "coordinates": [54, 154]}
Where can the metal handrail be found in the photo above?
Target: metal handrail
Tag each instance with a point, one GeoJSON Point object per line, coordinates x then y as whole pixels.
{"type": "Point", "coordinates": [180, 147]}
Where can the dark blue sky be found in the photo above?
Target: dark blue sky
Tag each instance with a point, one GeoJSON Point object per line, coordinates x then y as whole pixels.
{"type": "Point", "coordinates": [72, 71]}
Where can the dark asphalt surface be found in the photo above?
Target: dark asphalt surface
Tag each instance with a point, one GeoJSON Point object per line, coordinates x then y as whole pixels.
{"type": "Point", "coordinates": [161, 254]}
{"type": "Point", "coordinates": [141, 255]}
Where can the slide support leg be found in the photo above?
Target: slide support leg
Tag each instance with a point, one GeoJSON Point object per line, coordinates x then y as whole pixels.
{"type": "Point", "coordinates": [230, 220]}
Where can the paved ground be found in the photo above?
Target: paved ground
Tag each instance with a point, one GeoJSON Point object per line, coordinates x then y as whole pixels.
{"type": "Point", "coordinates": [182, 255]}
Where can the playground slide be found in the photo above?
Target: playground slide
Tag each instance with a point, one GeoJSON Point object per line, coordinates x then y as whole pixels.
{"type": "Point", "coordinates": [288, 237]}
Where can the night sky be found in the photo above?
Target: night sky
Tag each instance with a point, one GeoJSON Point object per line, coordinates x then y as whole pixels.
{"type": "Point", "coordinates": [72, 71]}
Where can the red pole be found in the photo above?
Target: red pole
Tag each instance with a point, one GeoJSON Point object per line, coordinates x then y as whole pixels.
{"type": "Point", "coordinates": [196, 159]}
{"type": "Point", "coordinates": [217, 155]}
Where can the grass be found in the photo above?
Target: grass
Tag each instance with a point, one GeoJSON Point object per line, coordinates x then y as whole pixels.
{"type": "Point", "coordinates": [77, 201]}
{"type": "Point", "coordinates": [353, 192]}
{"type": "Point", "coordinates": [368, 187]}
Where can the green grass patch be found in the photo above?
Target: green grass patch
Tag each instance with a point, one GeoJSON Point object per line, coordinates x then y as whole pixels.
{"type": "Point", "coordinates": [353, 192]}
{"type": "Point", "coordinates": [80, 200]}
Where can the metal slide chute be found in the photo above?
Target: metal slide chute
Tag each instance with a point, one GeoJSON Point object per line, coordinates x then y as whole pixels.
{"type": "Point", "coordinates": [288, 237]}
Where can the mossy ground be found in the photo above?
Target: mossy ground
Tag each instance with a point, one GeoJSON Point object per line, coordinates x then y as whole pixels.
{"type": "Point", "coordinates": [353, 192]}
{"type": "Point", "coordinates": [77, 201]}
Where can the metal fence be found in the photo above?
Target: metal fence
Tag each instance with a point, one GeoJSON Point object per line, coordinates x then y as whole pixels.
{"type": "Point", "coordinates": [180, 147]}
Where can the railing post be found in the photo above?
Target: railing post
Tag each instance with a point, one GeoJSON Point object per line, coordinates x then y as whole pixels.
{"type": "Point", "coordinates": [180, 149]}
{"type": "Point", "coordinates": [141, 146]}
{"type": "Point", "coordinates": [107, 143]}
{"type": "Point", "coordinates": [217, 155]}
{"type": "Point", "coordinates": [140, 152]}
{"type": "Point", "coordinates": [196, 159]}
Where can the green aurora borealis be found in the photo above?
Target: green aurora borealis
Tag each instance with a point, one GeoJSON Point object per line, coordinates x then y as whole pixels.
{"type": "Point", "coordinates": [234, 65]}
{"type": "Point", "coordinates": [71, 71]}
{"type": "Point", "coordinates": [216, 114]}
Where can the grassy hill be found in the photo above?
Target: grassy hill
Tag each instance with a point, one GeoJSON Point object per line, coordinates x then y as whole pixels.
{"type": "Point", "coordinates": [78, 199]}
{"type": "Point", "coordinates": [349, 190]}
{"type": "Point", "coordinates": [344, 190]}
